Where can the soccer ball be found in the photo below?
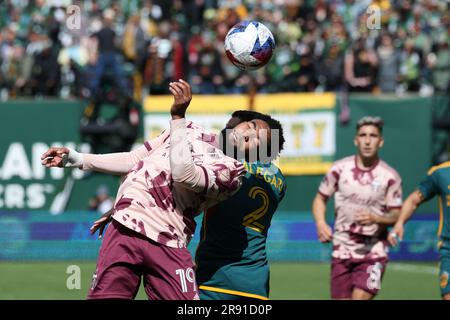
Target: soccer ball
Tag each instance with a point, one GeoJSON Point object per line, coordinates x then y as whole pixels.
{"type": "Point", "coordinates": [249, 45]}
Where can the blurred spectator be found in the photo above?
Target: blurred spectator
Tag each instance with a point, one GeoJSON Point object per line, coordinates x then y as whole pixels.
{"type": "Point", "coordinates": [158, 65]}
{"type": "Point", "coordinates": [410, 66]}
{"type": "Point", "coordinates": [330, 68]}
{"type": "Point", "coordinates": [360, 68]}
{"type": "Point", "coordinates": [45, 74]}
{"type": "Point", "coordinates": [439, 63]}
{"type": "Point", "coordinates": [134, 45]}
{"type": "Point", "coordinates": [102, 202]}
{"type": "Point", "coordinates": [389, 61]}
{"type": "Point", "coordinates": [208, 75]}
{"type": "Point", "coordinates": [306, 75]}
{"type": "Point", "coordinates": [283, 69]}
{"type": "Point", "coordinates": [108, 59]}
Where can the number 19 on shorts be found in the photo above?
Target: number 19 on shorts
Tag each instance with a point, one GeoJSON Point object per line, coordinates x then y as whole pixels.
{"type": "Point", "coordinates": [187, 278]}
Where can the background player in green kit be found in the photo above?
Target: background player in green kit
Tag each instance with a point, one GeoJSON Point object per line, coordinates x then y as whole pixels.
{"type": "Point", "coordinates": [231, 257]}
{"type": "Point", "coordinates": [436, 183]}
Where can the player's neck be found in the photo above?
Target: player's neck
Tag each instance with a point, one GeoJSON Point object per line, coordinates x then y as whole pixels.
{"type": "Point", "coordinates": [366, 163]}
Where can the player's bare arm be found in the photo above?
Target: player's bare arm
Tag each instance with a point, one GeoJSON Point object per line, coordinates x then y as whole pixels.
{"type": "Point", "coordinates": [183, 169]}
{"type": "Point", "coordinates": [324, 232]}
{"type": "Point", "coordinates": [413, 201]}
{"type": "Point", "coordinates": [182, 96]}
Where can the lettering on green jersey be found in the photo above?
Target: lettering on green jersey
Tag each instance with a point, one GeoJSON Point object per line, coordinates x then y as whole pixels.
{"type": "Point", "coordinates": [266, 175]}
{"type": "Point", "coordinates": [248, 168]}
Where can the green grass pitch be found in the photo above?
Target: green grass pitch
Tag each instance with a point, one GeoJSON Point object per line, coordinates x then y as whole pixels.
{"type": "Point", "coordinates": [291, 281]}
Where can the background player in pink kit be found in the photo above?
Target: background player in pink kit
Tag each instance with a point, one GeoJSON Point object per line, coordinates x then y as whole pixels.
{"type": "Point", "coordinates": [368, 198]}
{"type": "Point", "coordinates": [165, 184]}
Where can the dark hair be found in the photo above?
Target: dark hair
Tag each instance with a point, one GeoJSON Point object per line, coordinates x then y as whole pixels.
{"type": "Point", "coordinates": [370, 121]}
{"type": "Point", "coordinates": [247, 115]}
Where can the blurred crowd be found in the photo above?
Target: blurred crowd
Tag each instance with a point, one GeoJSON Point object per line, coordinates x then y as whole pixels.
{"type": "Point", "coordinates": [139, 46]}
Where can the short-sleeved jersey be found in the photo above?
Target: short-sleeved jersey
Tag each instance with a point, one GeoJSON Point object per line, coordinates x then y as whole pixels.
{"type": "Point", "coordinates": [231, 256]}
{"type": "Point", "coordinates": [149, 202]}
{"type": "Point", "coordinates": [376, 190]}
{"type": "Point", "coordinates": [437, 183]}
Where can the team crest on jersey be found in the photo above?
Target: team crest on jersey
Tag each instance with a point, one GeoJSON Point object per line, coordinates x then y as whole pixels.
{"type": "Point", "coordinates": [444, 279]}
{"type": "Point", "coordinates": [375, 185]}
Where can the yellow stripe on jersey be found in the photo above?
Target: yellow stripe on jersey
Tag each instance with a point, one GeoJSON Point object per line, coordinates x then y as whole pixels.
{"type": "Point", "coordinates": [233, 292]}
{"type": "Point", "coordinates": [259, 225]}
{"type": "Point", "coordinates": [255, 229]}
{"type": "Point", "coordinates": [442, 165]}
{"type": "Point", "coordinates": [441, 217]}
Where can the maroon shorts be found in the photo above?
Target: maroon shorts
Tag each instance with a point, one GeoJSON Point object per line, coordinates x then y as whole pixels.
{"type": "Point", "coordinates": [348, 274]}
{"type": "Point", "coordinates": [127, 256]}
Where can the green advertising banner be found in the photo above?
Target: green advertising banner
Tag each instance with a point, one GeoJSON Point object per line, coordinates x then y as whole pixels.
{"type": "Point", "coordinates": [28, 129]}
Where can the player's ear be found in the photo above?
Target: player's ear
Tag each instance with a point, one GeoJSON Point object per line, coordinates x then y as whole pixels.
{"type": "Point", "coordinates": [381, 142]}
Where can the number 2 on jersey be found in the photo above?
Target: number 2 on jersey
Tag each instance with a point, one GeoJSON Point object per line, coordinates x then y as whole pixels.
{"type": "Point", "coordinates": [250, 220]}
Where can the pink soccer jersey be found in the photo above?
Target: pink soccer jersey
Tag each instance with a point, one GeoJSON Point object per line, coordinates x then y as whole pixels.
{"type": "Point", "coordinates": [376, 190]}
{"type": "Point", "coordinates": [149, 202]}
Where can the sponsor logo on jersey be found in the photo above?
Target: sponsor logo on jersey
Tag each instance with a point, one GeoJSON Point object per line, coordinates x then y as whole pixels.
{"type": "Point", "coordinates": [94, 281]}
{"type": "Point", "coordinates": [374, 279]}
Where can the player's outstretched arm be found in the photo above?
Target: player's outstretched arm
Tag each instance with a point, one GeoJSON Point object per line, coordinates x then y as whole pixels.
{"type": "Point", "coordinates": [409, 206]}
{"type": "Point", "coordinates": [113, 163]}
{"type": "Point", "coordinates": [319, 207]}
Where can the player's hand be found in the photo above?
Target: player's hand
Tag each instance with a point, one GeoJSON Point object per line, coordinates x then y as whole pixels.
{"type": "Point", "coordinates": [55, 157]}
{"type": "Point", "coordinates": [396, 234]}
{"type": "Point", "coordinates": [182, 96]}
{"type": "Point", "coordinates": [324, 232]}
{"type": "Point", "coordinates": [101, 223]}
{"type": "Point", "coordinates": [365, 218]}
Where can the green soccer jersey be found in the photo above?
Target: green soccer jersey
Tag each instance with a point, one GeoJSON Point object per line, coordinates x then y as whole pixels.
{"type": "Point", "coordinates": [438, 183]}
{"type": "Point", "coordinates": [231, 257]}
